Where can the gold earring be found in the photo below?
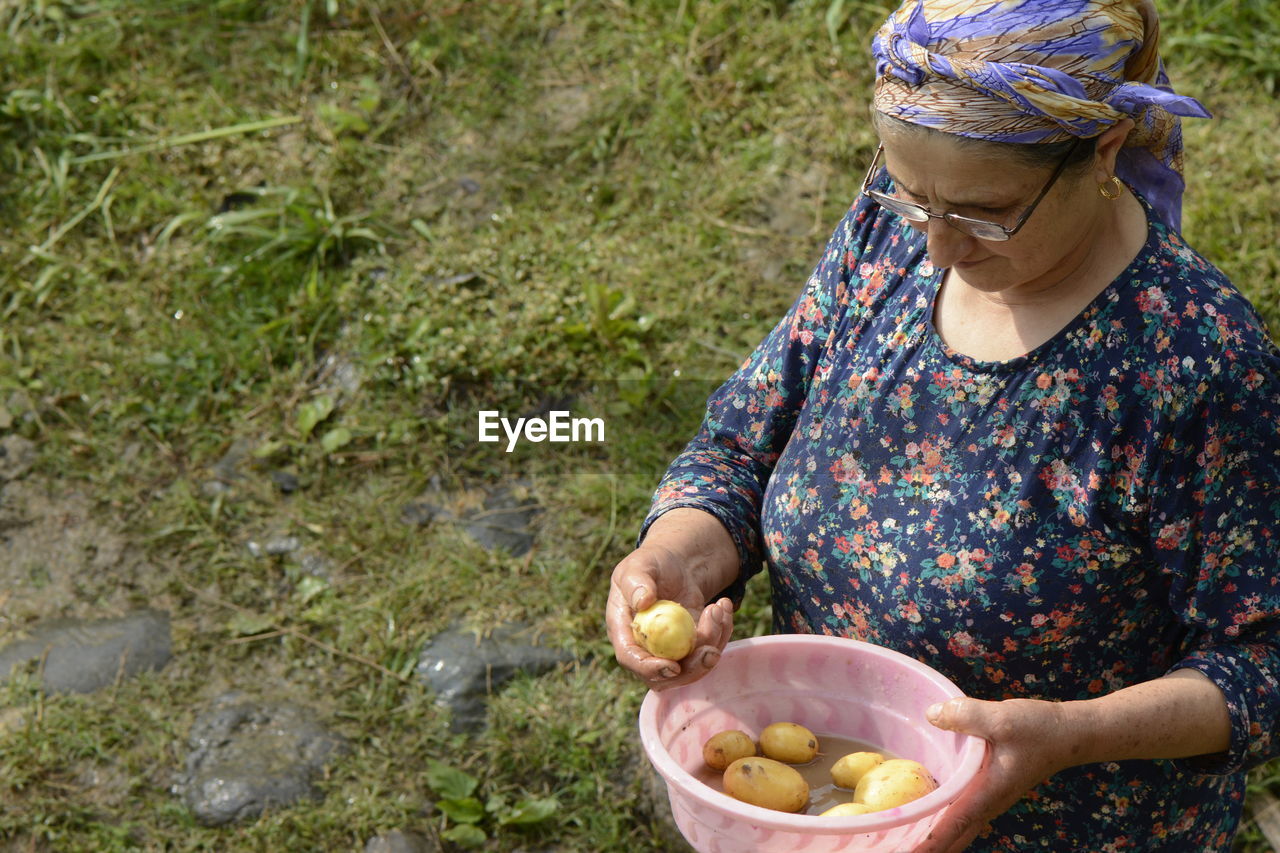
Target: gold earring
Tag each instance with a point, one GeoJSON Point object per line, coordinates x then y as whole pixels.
{"type": "Point", "coordinates": [1111, 188]}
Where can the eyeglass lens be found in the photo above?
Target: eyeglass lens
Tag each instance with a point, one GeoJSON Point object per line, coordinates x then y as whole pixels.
{"type": "Point", "coordinates": [979, 228]}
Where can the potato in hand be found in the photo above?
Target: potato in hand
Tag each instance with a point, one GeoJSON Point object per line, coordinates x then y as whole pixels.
{"type": "Point", "coordinates": [665, 629]}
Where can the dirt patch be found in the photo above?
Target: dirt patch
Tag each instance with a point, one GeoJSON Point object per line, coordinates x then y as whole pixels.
{"type": "Point", "coordinates": [58, 558]}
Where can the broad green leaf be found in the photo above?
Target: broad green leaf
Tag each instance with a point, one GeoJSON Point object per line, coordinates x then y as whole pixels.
{"type": "Point", "coordinates": [335, 438]}
{"type": "Point", "coordinates": [268, 448]}
{"type": "Point", "coordinates": [448, 782]}
{"type": "Point", "coordinates": [245, 624]}
{"type": "Point", "coordinates": [464, 835]}
{"type": "Point", "coordinates": [313, 412]}
{"type": "Point", "coordinates": [530, 811]}
{"type": "Point", "coordinates": [462, 810]}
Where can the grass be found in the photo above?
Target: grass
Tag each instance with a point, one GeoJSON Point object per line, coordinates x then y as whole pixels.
{"type": "Point", "coordinates": [327, 234]}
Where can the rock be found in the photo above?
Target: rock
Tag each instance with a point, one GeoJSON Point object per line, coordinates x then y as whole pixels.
{"type": "Point", "coordinates": [17, 455]}
{"type": "Point", "coordinates": [464, 670]}
{"type": "Point", "coordinates": [83, 656]}
{"type": "Point", "coordinates": [427, 506]}
{"type": "Point", "coordinates": [505, 522]}
{"type": "Point", "coordinates": [248, 756]}
{"type": "Point", "coordinates": [399, 841]}
{"type": "Point", "coordinates": [421, 511]}
{"type": "Point", "coordinates": [287, 483]}
{"type": "Point", "coordinates": [501, 519]}
{"type": "Point", "coordinates": [275, 547]}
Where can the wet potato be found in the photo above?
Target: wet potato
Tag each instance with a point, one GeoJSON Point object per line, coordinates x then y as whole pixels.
{"type": "Point", "coordinates": [788, 742]}
{"type": "Point", "coordinates": [847, 810]}
{"type": "Point", "coordinates": [724, 748]}
{"type": "Point", "coordinates": [767, 783]}
{"type": "Point", "coordinates": [851, 768]}
{"type": "Point", "coordinates": [893, 783]}
{"type": "Point", "coordinates": [665, 629]}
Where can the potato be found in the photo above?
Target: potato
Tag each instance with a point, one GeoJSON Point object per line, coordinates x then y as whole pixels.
{"type": "Point", "coordinates": [848, 770]}
{"type": "Point", "coordinates": [847, 810]}
{"type": "Point", "coordinates": [665, 629]}
{"type": "Point", "coordinates": [789, 742]}
{"type": "Point", "coordinates": [724, 748]}
{"type": "Point", "coordinates": [768, 783]}
{"type": "Point", "coordinates": [893, 783]}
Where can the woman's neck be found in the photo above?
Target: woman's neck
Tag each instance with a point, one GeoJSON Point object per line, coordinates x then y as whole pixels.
{"type": "Point", "coordinates": [1000, 325]}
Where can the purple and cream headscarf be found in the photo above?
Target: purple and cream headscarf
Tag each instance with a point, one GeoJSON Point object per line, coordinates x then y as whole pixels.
{"type": "Point", "coordinates": [1033, 71]}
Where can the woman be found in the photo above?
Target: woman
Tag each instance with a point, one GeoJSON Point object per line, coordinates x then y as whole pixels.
{"type": "Point", "coordinates": [1016, 428]}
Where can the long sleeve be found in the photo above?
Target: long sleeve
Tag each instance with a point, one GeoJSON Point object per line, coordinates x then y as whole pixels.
{"type": "Point", "coordinates": [1215, 523]}
{"type": "Point", "coordinates": [749, 419]}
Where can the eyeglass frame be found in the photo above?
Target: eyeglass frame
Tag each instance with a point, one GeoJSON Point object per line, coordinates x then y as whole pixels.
{"type": "Point", "coordinates": [952, 218]}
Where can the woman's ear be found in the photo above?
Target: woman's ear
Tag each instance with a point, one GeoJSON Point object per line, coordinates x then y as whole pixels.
{"type": "Point", "coordinates": [1108, 148]}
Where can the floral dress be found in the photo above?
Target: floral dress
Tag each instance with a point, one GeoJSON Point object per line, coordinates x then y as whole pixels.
{"type": "Point", "coordinates": [1094, 514]}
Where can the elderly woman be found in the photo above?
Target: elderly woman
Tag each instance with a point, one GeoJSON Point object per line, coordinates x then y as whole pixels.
{"type": "Point", "coordinates": [1016, 428]}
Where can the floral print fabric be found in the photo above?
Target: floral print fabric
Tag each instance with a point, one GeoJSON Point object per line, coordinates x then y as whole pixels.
{"type": "Point", "coordinates": [1094, 514]}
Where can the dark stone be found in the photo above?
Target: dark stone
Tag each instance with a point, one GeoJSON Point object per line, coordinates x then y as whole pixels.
{"type": "Point", "coordinates": [420, 511]}
{"type": "Point", "coordinates": [237, 200]}
{"type": "Point", "coordinates": [399, 841]}
{"type": "Point", "coordinates": [287, 483]}
{"type": "Point", "coordinates": [248, 756]}
{"type": "Point", "coordinates": [464, 669]}
{"type": "Point", "coordinates": [505, 522]}
{"type": "Point", "coordinates": [80, 657]}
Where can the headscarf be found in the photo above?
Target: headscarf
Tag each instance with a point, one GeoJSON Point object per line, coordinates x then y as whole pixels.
{"type": "Point", "coordinates": [1030, 71]}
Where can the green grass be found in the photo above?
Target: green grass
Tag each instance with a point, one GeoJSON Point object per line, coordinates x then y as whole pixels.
{"type": "Point", "coordinates": [332, 232]}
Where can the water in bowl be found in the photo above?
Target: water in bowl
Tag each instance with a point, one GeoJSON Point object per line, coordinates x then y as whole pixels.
{"type": "Point", "coordinates": [823, 793]}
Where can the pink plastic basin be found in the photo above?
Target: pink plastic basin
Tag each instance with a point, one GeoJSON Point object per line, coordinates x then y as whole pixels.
{"type": "Point", "coordinates": [830, 685]}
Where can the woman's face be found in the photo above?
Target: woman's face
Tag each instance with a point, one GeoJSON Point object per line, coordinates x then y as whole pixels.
{"type": "Point", "coordinates": [946, 176]}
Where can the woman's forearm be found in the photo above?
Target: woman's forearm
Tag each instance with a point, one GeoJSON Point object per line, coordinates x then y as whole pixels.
{"type": "Point", "coordinates": [698, 538]}
{"type": "Point", "coordinates": [1176, 716]}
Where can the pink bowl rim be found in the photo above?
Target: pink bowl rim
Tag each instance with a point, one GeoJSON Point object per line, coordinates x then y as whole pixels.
{"type": "Point", "coordinates": [972, 752]}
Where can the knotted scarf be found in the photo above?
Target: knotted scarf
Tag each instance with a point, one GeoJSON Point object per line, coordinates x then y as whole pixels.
{"type": "Point", "coordinates": [1030, 71]}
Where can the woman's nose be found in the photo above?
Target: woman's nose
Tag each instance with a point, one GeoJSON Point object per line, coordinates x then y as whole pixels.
{"type": "Point", "coordinates": [946, 245]}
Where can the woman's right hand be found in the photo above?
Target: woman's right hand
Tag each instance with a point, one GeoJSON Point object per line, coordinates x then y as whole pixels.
{"type": "Point", "coordinates": [644, 576]}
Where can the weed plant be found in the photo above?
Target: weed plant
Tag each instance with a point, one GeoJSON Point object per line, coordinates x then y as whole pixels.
{"type": "Point", "coordinates": [321, 236]}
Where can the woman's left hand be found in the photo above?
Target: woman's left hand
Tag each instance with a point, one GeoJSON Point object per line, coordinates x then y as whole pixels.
{"type": "Point", "coordinates": [1028, 740]}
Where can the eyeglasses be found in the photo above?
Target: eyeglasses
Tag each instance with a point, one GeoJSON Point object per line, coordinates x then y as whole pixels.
{"type": "Point", "coordinates": [980, 228]}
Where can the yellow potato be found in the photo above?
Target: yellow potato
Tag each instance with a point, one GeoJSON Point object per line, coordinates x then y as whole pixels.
{"type": "Point", "coordinates": [893, 783]}
{"type": "Point", "coordinates": [768, 783]}
{"type": "Point", "coordinates": [665, 629]}
{"type": "Point", "coordinates": [847, 810]}
{"type": "Point", "coordinates": [848, 770]}
{"type": "Point", "coordinates": [789, 742]}
{"type": "Point", "coordinates": [724, 748]}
